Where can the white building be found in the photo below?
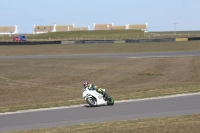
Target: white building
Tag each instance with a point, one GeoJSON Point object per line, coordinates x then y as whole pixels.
{"type": "Point", "coordinates": [142, 27]}
{"type": "Point", "coordinates": [8, 30]}
{"type": "Point", "coordinates": [44, 29]}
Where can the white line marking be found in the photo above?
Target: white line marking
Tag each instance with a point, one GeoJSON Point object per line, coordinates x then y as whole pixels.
{"type": "Point", "coordinates": [81, 105]}
{"type": "Point", "coordinates": [160, 56]}
{"type": "Point", "coordinates": [160, 97]}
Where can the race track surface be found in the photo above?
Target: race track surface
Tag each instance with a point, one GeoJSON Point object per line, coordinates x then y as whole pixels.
{"type": "Point", "coordinates": [83, 114]}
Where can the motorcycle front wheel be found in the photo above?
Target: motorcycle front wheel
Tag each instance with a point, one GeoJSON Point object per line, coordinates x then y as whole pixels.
{"type": "Point", "coordinates": [91, 101]}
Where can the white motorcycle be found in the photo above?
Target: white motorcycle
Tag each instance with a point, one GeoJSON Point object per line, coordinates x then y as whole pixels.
{"type": "Point", "coordinates": [94, 99]}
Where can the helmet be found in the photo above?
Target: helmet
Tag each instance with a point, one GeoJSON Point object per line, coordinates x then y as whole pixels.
{"type": "Point", "coordinates": [85, 84]}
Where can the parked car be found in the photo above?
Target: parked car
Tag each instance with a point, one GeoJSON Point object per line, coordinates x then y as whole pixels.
{"type": "Point", "coordinates": [19, 38]}
{"type": "Point", "coordinates": [15, 38]}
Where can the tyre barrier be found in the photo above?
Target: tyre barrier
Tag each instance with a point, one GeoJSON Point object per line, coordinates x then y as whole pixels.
{"type": "Point", "coordinates": [30, 43]}
{"type": "Point", "coordinates": [131, 41]}
{"type": "Point", "coordinates": [193, 38]}
{"type": "Point", "coordinates": [151, 40]}
{"type": "Point", "coordinates": [99, 41]}
{"type": "Point", "coordinates": [157, 40]}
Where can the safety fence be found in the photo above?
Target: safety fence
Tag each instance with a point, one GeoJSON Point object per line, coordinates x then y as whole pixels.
{"type": "Point", "coordinates": [100, 41]}
{"type": "Point", "coordinates": [30, 43]}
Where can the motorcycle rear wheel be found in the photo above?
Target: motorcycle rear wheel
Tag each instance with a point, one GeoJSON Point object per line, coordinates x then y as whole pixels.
{"type": "Point", "coordinates": [110, 102]}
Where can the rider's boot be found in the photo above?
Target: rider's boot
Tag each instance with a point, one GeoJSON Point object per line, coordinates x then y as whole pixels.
{"type": "Point", "coordinates": [106, 97]}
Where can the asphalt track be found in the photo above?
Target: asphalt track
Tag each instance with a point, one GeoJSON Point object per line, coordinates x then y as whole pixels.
{"type": "Point", "coordinates": [115, 55]}
{"type": "Point", "coordinates": [122, 110]}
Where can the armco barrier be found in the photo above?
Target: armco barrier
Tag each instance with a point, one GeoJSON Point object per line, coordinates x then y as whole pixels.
{"type": "Point", "coordinates": [67, 42]}
{"type": "Point", "coordinates": [30, 43]}
{"type": "Point", "coordinates": [98, 41]}
{"type": "Point", "coordinates": [120, 41]}
{"type": "Point", "coordinates": [92, 41]}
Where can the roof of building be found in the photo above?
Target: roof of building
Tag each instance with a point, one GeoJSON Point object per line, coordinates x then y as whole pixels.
{"type": "Point", "coordinates": [43, 28]}
{"type": "Point", "coordinates": [118, 27]}
{"type": "Point", "coordinates": [7, 29]}
{"type": "Point", "coordinates": [79, 28]}
{"type": "Point", "coordinates": [64, 27]}
{"type": "Point", "coordinates": [138, 26]}
{"type": "Point", "coordinates": [103, 26]}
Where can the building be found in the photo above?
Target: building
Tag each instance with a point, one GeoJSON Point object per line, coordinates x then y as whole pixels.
{"type": "Point", "coordinates": [61, 28]}
{"type": "Point", "coordinates": [4, 30]}
{"type": "Point", "coordinates": [44, 29]}
{"type": "Point", "coordinates": [142, 27]}
{"type": "Point", "coordinates": [103, 26]}
{"type": "Point", "coordinates": [80, 28]}
{"type": "Point", "coordinates": [64, 28]}
{"type": "Point", "coordinates": [118, 28]}
{"type": "Point", "coordinates": [57, 28]}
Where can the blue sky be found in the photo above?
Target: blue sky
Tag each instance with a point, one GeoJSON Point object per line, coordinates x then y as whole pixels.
{"type": "Point", "coordinates": [158, 14]}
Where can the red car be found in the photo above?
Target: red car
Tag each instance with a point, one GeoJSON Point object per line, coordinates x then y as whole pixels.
{"type": "Point", "coordinates": [19, 38]}
{"type": "Point", "coordinates": [15, 38]}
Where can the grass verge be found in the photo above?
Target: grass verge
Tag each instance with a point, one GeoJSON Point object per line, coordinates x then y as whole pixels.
{"type": "Point", "coordinates": [181, 124]}
{"type": "Point", "coordinates": [55, 49]}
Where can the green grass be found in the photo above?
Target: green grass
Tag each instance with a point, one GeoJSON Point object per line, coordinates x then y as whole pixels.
{"type": "Point", "coordinates": [99, 35]}
{"type": "Point", "coordinates": [98, 48]}
{"type": "Point", "coordinates": [85, 35]}
{"type": "Point", "coordinates": [104, 35]}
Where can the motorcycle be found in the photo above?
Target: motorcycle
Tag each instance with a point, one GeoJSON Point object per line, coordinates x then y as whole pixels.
{"type": "Point", "coordinates": [94, 99]}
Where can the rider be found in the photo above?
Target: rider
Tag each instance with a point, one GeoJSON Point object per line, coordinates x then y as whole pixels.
{"type": "Point", "coordinates": [94, 87]}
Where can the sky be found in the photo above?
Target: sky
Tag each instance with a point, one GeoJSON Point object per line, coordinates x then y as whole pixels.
{"type": "Point", "coordinates": [160, 15]}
